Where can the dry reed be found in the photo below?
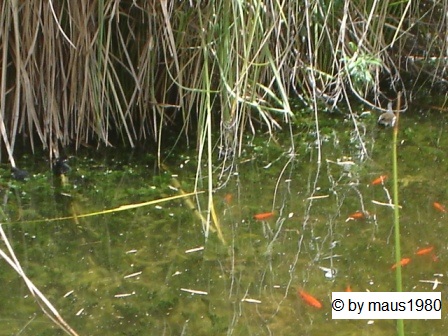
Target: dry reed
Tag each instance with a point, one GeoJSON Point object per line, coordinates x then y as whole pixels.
{"type": "Point", "coordinates": [75, 73]}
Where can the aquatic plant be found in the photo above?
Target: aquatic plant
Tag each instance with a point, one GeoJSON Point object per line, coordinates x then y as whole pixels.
{"type": "Point", "coordinates": [399, 261]}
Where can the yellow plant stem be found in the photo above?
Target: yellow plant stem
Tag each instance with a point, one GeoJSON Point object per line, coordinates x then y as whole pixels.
{"type": "Point", "coordinates": [117, 209]}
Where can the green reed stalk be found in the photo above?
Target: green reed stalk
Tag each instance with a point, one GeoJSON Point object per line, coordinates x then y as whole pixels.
{"type": "Point", "coordinates": [398, 276]}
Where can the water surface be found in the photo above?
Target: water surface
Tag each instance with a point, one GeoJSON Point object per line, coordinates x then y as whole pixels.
{"type": "Point", "coordinates": [133, 272]}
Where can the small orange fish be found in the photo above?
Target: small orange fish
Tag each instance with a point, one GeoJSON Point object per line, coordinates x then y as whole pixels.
{"type": "Point", "coordinates": [425, 250]}
{"type": "Point", "coordinates": [435, 258]}
{"type": "Point", "coordinates": [263, 216]}
{"type": "Point", "coordinates": [357, 215]}
{"type": "Point", "coordinates": [379, 180]}
{"type": "Point", "coordinates": [439, 207]}
{"type": "Point", "coordinates": [402, 262]}
{"type": "Point", "coordinates": [228, 198]}
{"type": "Point", "coordinates": [309, 299]}
{"type": "Point", "coordinates": [348, 288]}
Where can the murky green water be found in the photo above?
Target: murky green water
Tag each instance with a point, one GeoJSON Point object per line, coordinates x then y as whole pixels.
{"type": "Point", "coordinates": [132, 272]}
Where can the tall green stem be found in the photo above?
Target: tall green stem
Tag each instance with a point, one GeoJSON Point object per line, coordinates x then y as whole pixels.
{"type": "Point", "coordinates": [398, 277]}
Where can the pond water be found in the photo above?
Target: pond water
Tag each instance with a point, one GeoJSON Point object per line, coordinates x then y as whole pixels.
{"type": "Point", "coordinates": [150, 271]}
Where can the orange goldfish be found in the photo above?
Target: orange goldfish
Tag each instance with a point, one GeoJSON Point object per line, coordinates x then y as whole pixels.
{"type": "Point", "coordinates": [228, 198]}
{"type": "Point", "coordinates": [348, 288]}
{"type": "Point", "coordinates": [309, 299]}
{"type": "Point", "coordinates": [425, 250]}
{"type": "Point", "coordinates": [402, 262]}
{"type": "Point", "coordinates": [263, 216]}
{"type": "Point", "coordinates": [357, 215]}
{"type": "Point", "coordinates": [439, 207]}
{"type": "Point", "coordinates": [379, 180]}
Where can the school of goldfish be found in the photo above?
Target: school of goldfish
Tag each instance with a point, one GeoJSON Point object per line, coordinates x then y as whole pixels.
{"type": "Point", "coordinates": [314, 302]}
{"type": "Point", "coordinates": [311, 300]}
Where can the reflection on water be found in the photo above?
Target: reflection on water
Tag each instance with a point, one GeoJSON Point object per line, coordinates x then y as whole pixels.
{"type": "Point", "coordinates": [149, 271]}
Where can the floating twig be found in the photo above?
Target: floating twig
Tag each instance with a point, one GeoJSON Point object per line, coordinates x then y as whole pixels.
{"type": "Point", "coordinates": [132, 275]}
{"type": "Point", "coordinates": [192, 291]}
{"type": "Point", "coordinates": [196, 249]}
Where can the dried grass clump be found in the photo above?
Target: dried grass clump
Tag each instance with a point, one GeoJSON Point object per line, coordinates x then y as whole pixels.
{"type": "Point", "coordinates": [86, 71]}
